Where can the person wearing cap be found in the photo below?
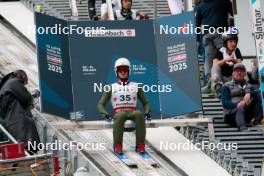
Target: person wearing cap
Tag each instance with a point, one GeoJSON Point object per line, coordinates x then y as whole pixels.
{"type": "Point", "coordinates": [124, 95]}
{"type": "Point", "coordinates": [241, 102]}
{"type": "Point", "coordinates": [224, 60]}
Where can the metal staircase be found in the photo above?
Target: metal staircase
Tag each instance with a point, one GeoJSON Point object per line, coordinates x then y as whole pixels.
{"type": "Point", "coordinates": [62, 8]}
{"type": "Point", "coordinates": [247, 159]}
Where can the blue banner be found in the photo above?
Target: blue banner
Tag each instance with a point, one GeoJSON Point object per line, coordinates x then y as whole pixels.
{"type": "Point", "coordinates": [76, 64]}
{"type": "Point", "coordinates": [93, 58]}
{"type": "Point", "coordinates": [178, 64]}
{"type": "Point", "coordinates": [53, 67]}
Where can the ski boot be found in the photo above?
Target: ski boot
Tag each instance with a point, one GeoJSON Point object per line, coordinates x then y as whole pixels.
{"type": "Point", "coordinates": [243, 128]}
{"type": "Point", "coordinates": [118, 148]}
{"type": "Point", "coordinates": [218, 89]}
{"type": "Point", "coordinates": [140, 148]}
{"type": "Point", "coordinates": [95, 18]}
{"type": "Point", "coordinates": [207, 88]}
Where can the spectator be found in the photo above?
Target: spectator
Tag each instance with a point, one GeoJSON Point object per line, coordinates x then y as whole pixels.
{"type": "Point", "coordinates": [241, 101]}
{"type": "Point", "coordinates": [15, 105]}
{"type": "Point", "coordinates": [253, 75]}
{"type": "Point", "coordinates": [196, 4]}
{"type": "Point", "coordinates": [212, 14]}
{"type": "Point", "coordinates": [200, 41]}
{"type": "Point", "coordinates": [126, 12]}
{"type": "Point", "coordinates": [116, 4]}
{"type": "Point", "coordinates": [201, 52]}
{"type": "Point", "coordinates": [2, 136]}
{"type": "Point", "coordinates": [224, 60]}
{"type": "Point", "coordinates": [92, 10]}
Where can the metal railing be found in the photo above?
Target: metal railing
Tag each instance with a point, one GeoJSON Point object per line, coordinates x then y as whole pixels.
{"type": "Point", "coordinates": [246, 160]}
{"type": "Point", "coordinates": [10, 137]}
{"type": "Point", "coordinates": [79, 8]}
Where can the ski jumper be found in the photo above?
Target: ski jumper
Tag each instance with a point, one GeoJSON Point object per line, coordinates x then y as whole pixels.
{"type": "Point", "coordinates": [124, 100]}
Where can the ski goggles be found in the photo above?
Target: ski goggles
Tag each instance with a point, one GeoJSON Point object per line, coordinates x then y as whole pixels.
{"type": "Point", "coordinates": [122, 69]}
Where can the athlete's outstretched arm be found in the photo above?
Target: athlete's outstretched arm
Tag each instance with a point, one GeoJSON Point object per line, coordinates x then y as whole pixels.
{"type": "Point", "coordinates": [144, 101]}
{"type": "Point", "coordinates": [102, 102]}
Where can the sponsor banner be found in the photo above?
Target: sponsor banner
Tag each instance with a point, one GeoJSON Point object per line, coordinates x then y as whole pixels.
{"type": "Point", "coordinates": [53, 68]}
{"type": "Point", "coordinates": [178, 66]}
{"type": "Point", "coordinates": [82, 65]}
{"type": "Point", "coordinates": [98, 55]}
{"type": "Point", "coordinates": [111, 33]}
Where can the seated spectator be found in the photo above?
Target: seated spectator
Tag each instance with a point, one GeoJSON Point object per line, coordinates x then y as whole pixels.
{"type": "Point", "coordinates": [15, 105]}
{"type": "Point", "coordinates": [126, 12]}
{"type": "Point", "coordinates": [242, 103]}
{"type": "Point", "coordinates": [224, 60]}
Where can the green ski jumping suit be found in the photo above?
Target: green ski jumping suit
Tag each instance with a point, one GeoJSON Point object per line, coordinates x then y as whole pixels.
{"type": "Point", "coordinates": [124, 99]}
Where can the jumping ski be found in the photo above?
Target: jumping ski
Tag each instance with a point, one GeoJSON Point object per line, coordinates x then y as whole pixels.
{"type": "Point", "coordinates": [146, 157]}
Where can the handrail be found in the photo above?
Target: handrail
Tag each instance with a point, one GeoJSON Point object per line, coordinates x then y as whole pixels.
{"type": "Point", "coordinates": [10, 137]}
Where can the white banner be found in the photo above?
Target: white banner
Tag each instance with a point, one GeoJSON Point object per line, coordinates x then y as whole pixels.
{"type": "Point", "coordinates": [258, 31]}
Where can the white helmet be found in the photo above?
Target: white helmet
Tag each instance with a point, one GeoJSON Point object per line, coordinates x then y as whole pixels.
{"type": "Point", "coordinates": [122, 62]}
